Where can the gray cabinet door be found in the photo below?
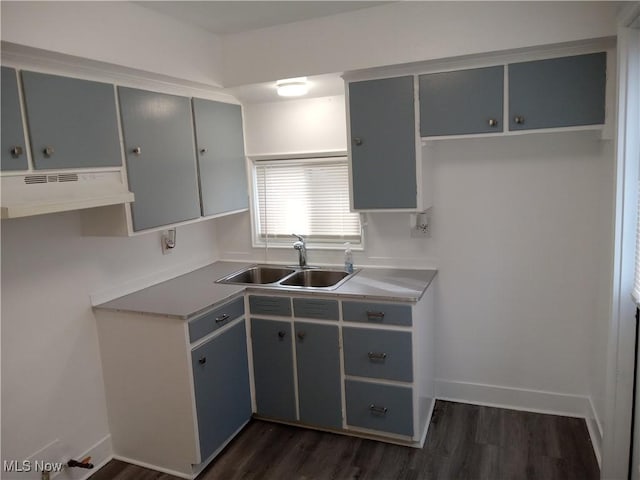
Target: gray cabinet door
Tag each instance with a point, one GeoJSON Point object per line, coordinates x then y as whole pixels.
{"type": "Point", "coordinates": [462, 102]}
{"type": "Point", "coordinates": [378, 353]}
{"type": "Point", "coordinates": [221, 382]}
{"type": "Point", "coordinates": [273, 368]}
{"type": "Point", "coordinates": [383, 150]}
{"type": "Point", "coordinates": [72, 122]}
{"type": "Point", "coordinates": [160, 153]}
{"type": "Point", "coordinates": [558, 92]}
{"type": "Point", "coordinates": [221, 160]}
{"type": "Point", "coordinates": [318, 362]}
{"type": "Point", "coordinates": [14, 154]}
{"type": "Point", "coordinates": [388, 408]}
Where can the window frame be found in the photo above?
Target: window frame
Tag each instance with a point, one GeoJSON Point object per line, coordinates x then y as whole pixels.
{"type": "Point", "coordinates": [256, 240]}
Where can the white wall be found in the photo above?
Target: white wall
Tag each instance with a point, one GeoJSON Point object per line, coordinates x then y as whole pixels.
{"type": "Point", "coordinates": [521, 240]}
{"type": "Point", "coordinates": [52, 385]}
{"type": "Point", "coordinates": [316, 124]}
{"type": "Point", "coordinates": [521, 236]}
{"type": "Point", "coordinates": [408, 32]}
{"type": "Point", "coordinates": [120, 33]}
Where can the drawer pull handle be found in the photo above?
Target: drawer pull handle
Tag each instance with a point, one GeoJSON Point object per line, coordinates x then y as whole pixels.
{"type": "Point", "coordinates": [222, 318]}
{"type": "Point", "coordinates": [375, 315]}
{"type": "Point", "coordinates": [378, 410]}
{"type": "Point", "coordinates": [202, 360]}
{"type": "Point", "coordinates": [377, 356]}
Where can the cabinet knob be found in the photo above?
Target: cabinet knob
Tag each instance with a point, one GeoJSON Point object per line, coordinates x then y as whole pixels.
{"type": "Point", "coordinates": [16, 151]}
{"type": "Point", "coordinates": [137, 150]}
{"type": "Point", "coordinates": [202, 360]}
{"type": "Point", "coordinates": [378, 409]}
{"type": "Point", "coordinates": [493, 122]}
{"type": "Point", "coordinates": [48, 151]}
{"type": "Point", "coordinates": [357, 141]}
{"type": "Point", "coordinates": [518, 119]}
{"type": "Point", "coordinates": [301, 335]}
{"type": "Point", "coordinates": [282, 333]}
{"type": "Point", "coordinates": [203, 151]}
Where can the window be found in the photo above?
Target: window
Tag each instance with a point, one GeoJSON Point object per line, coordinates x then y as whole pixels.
{"type": "Point", "coordinates": [309, 197]}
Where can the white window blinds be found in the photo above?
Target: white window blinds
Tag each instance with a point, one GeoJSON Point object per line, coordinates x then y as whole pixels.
{"type": "Point", "coordinates": [309, 197]}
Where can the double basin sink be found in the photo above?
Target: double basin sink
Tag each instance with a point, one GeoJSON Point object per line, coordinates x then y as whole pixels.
{"type": "Point", "coordinates": [266, 275]}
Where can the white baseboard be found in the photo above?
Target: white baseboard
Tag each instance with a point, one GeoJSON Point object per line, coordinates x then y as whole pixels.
{"type": "Point", "coordinates": [101, 453]}
{"type": "Point", "coordinates": [539, 401]}
{"type": "Point", "coordinates": [595, 431]}
{"type": "Point", "coordinates": [132, 461]}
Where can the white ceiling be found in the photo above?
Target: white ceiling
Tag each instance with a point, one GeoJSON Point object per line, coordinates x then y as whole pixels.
{"type": "Point", "coordinates": [229, 17]}
{"type": "Point", "coordinates": [220, 17]}
{"type": "Point", "coordinates": [319, 86]}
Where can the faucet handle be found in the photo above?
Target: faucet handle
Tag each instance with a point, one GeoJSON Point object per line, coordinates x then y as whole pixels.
{"type": "Point", "coordinates": [299, 237]}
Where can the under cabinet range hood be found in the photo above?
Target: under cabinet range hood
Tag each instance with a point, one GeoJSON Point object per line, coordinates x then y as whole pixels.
{"type": "Point", "coordinates": [40, 193]}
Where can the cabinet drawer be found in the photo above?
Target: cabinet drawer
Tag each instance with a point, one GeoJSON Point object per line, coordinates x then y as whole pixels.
{"type": "Point", "coordinates": [270, 305]}
{"type": "Point", "coordinates": [314, 308]}
{"type": "Point", "coordinates": [388, 408]}
{"type": "Point", "coordinates": [215, 319]}
{"type": "Point", "coordinates": [382, 313]}
{"type": "Point", "coordinates": [378, 354]}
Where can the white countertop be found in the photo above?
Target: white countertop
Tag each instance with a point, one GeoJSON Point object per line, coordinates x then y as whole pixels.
{"type": "Point", "coordinates": [194, 292]}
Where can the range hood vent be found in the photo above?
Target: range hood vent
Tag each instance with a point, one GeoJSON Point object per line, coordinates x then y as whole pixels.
{"type": "Point", "coordinates": [37, 194]}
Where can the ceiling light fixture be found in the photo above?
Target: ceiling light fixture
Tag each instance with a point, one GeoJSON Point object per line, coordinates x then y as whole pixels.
{"type": "Point", "coordinates": [292, 87]}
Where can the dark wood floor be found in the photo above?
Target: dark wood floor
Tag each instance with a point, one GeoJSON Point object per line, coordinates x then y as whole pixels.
{"type": "Point", "coordinates": [464, 442]}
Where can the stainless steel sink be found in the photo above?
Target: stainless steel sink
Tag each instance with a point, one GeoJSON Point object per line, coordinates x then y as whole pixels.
{"type": "Point", "coordinates": [315, 278]}
{"type": "Point", "coordinates": [261, 275]}
{"type": "Point", "coordinates": [287, 277]}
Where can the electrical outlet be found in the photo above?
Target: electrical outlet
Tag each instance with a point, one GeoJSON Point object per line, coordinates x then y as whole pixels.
{"type": "Point", "coordinates": [168, 241]}
{"type": "Point", "coordinates": [420, 224]}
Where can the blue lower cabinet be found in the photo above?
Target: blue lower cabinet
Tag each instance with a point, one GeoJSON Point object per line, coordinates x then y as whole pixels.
{"type": "Point", "coordinates": [387, 408]}
{"type": "Point", "coordinates": [318, 362]}
{"type": "Point", "coordinates": [273, 368]}
{"type": "Point", "coordinates": [221, 382]}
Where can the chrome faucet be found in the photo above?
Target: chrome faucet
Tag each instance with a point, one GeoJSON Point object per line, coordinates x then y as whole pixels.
{"type": "Point", "coordinates": [301, 247]}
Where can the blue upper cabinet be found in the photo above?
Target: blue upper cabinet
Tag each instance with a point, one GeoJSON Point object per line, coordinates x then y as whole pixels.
{"type": "Point", "coordinates": [72, 122]}
{"type": "Point", "coordinates": [160, 154]}
{"type": "Point", "coordinates": [383, 144]}
{"type": "Point", "coordinates": [14, 155]}
{"type": "Point", "coordinates": [558, 92]}
{"type": "Point", "coordinates": [221, 159]}
{"type": "Point", "coordinates": [462, 102]}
